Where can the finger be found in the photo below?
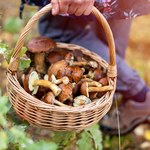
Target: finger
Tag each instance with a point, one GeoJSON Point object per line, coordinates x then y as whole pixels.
{"type": "Point", "coordinates": [80, 10]}
{"type": "Point", "coordinates": [88, 10]}
{"type": "Point", "coordinates": [55, 7]}
{"type": "Point", "coordinates": [72, 9]}
{"type": "Point", "coordinates": [64, 6]}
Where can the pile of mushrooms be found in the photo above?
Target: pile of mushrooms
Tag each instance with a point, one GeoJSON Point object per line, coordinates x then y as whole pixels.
{"type": "Point", "coordinates": [63, 77]}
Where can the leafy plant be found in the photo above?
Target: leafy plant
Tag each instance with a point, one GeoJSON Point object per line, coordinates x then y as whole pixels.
{"type": "Point", "coordinates": [24, 61]}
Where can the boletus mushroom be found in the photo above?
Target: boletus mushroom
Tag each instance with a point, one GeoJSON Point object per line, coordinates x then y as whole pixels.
{"type": "Point", "coordinates": [33, 83]}
{"type": "Point", "coordinates": [66, 92]}
{"type": "Point", "coordinates": [38, 46]}
{"type": "Point", "coordinates": [74, 73]}
{"type": "Point", "coordinates": [81, 100]}
{"type": "Point", "coordinates": [85, 89]}
{"type": "Point", "coordinates": [54, 68]}
{"type": "Point", "coordinates": [50, 99]}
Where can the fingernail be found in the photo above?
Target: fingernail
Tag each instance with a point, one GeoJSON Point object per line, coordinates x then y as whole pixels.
{"type": "Point", "coordinates": [53, 11]}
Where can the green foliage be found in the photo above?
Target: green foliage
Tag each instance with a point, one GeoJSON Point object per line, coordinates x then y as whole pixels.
{"type": "Point", "coordinates": [96, 135]}
{"type": "Point", "coordinates": [85, 141]}
{"type": "Point", "coordinates": [92, 136]}
{"type": "Point", "coordinates": [24, 61]}
{"type": "Point", "coordinates": [12, 25]}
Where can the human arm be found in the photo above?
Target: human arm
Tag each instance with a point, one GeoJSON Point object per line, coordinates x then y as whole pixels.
{"type": "Point", "coordinates": [111, 9]}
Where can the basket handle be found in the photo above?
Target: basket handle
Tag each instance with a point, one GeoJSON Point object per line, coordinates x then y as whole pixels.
{"type": "Point", "coordinates": [112, 71]}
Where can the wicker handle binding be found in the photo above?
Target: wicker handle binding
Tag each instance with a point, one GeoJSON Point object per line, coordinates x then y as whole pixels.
{"type": "Point", "coordinates": [15, 57]}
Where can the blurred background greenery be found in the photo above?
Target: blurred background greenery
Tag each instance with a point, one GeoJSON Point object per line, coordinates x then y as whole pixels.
{"type": "Point", "coordinates": [138, 47]}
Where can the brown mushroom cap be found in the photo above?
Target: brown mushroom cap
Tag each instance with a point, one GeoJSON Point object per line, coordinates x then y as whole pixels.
{"type": "Point", "coordinates": [74, 73]}
{"type": "Point", "coordinates": [54, 68]}
{"type": "Point", "coordinates": [56, 55]}
{"type": "Point", "coordinates": [97, 74]}
{"type": "Point", "coordinates": [66, 92]}
{"type": "Point", "coordinates": [49, 98]}
{"type": "Point", "coordinates": [40, 44]}
{"type": "Point", "coordinates": [84, 89]}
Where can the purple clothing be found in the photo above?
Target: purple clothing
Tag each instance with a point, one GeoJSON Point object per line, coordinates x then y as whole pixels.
{"type": "Point", "coordinates": [117, 9]}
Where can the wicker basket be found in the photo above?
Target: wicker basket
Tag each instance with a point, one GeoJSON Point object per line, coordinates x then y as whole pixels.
{"type": "Point", "coordinates": [54, 117]}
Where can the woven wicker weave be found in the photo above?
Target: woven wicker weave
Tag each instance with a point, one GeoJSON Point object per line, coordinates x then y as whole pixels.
{"type": "Point", "coordinates": [54, 117]}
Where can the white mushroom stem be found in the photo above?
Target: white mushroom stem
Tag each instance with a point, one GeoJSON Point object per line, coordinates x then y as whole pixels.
{"type": "Point", "coordinates": [93, 64]}
{"type": "Point", "coordinates": [89, 75]}
{"type": "Point", "coordinates": [64, 80]}
{"type": "Point", "coordinates": [39, 60]}
{"type": "Point", "coordinates": [94, 83]}
{"type": "Point", "coordinates": [91, 82]}
{"type": "Point", "coordinates": [100, 89]}
{"type": "Point", "coordinates": [59, 103]}
{"type": "Point", "coordinates": [56, 90]}
{"type": "Point", "coordinates": [46, 77]}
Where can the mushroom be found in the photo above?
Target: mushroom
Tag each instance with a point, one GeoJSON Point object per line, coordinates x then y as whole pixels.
{"type": "Point", "coordinates": [50, 99]}
{"type": "Point", "coordinates": [103, 81]}
{"type": "Point", "coordinates": [92, 64]}
{"type": "Point", "coordinates": [25, 79]}
{"type": "Point", "coordinates": [85, 89]}
{"type": "Point", "coordinates": [66, 92]}
{"type": "Point", "coordinates": [81, 100]}
{"type": "Point", "coordinates": [33, 83]}
{"type": "Point", "coordinates": [74, 73]}
{"type": "Point", "coordinates": [78, 55]}
{"type": "Point", "coordinates": [54, 68]}
{"type": "Point", "coordinates": [64, 80]}
{"type": "Point", "coordinates": [38, 46]}
{"type": "Point", "coordinates": [69, 57]}
{"type": "Point", "coordinates": [56, 55]}
{"type": "Point", "coordinates": [93, 95]}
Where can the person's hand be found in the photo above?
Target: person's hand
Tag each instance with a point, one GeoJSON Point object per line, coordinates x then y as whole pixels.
{"type": "Point", "coordinates": [76, 7]}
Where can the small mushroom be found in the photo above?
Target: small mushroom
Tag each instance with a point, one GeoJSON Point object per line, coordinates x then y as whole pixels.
{"type": "Point", "coordinates": [90, 82]}
{"type": "Point", "coordinates": [69, 57]}
{"type": "Point", "coordinates": [92, 64]}
{"type": "Point", "coordinates": [50, 99]}
{"type": "Point", "coordinates": [85, 89]}
{"type": "Point", "coordinates": [38, 46]}
{"type": "Point", "coordinates": [104, 82]}
{"type": "Point", "coordinates": [66, 92]}
{"type": "Point", "coordinates": [97, 74]}
{"type": "Point", "coordinates": [33, 83]}
{"type": "Point", "coordinates": [81, 100]}
{"type": "Point", "coordinates": [78, 55]}
{"type": "Point", "coordinates": [64, 80]}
